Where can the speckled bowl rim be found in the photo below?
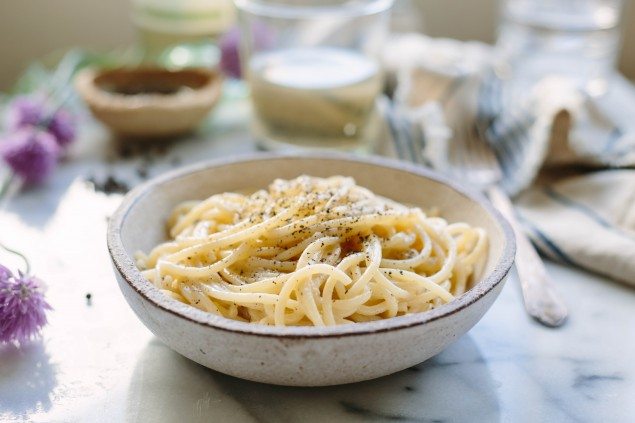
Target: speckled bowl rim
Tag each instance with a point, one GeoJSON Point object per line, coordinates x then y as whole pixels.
{"type": "Point", "coordinates": [125, 264]}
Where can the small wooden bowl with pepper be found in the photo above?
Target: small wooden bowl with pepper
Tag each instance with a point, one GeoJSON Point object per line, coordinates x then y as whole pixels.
{"type": "Point", "coordinates": [147, 102]}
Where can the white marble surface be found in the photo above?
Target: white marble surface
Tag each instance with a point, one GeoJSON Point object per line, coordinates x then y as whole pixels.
{"type": "Point", "coordinates": [97, 363]}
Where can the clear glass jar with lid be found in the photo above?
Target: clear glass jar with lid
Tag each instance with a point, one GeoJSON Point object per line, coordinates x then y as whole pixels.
{"type": "Point", "coordinates": [181, 33]}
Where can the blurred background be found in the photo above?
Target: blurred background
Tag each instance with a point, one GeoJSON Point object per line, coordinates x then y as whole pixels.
{"type": "Point", "coordinates": [34, 28]}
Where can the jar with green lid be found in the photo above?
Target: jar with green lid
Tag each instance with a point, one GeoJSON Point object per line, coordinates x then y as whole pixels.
{"type": "Point", "coordinates": [181, 33]}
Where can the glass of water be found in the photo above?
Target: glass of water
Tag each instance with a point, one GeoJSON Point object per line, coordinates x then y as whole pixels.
{"type": "Point", "coordinates": [578, 39]}
{"type": "Point", "coordinates": [313, 70]}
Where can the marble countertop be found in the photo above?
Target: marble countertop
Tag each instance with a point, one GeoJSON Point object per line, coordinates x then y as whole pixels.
{"type": "Point", "coordinates": [96, 362]}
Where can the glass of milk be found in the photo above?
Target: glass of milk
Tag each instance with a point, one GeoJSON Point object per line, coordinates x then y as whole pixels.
{"type": "Point", "coordinates": [313, 71]}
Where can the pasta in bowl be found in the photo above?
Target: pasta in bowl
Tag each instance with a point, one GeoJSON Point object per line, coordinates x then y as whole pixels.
{"type": "Point", "coordinates": [276, 305]}
{"type": "Point", "coordinates": [312, 251]}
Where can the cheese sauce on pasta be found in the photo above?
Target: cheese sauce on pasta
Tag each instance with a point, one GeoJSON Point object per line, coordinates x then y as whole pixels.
{"type": "Point", "coordinates": [312, 251]}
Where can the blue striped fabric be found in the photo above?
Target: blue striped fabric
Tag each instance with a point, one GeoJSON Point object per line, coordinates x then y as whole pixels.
{"type": "Point", "coordinates": [544, 243]}
{"type": "Point", "coordinates": [587, 211]}
{"type": "Point", "coordinates": [510, 117]}
{"type": "Point", "coordinates": [587, 221]}
{"type": "Point", "coordinates": [577, 221]}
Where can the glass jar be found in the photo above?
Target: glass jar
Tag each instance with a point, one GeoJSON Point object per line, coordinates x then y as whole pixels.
{"type": "Point", "coordinates": [313, 70]}
{"type": "Point", "coordinates": [182, 33]}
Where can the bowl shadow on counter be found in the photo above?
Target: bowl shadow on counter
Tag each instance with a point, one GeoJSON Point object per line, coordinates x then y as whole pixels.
{"type": "Point", "coordinates": [456, 385]}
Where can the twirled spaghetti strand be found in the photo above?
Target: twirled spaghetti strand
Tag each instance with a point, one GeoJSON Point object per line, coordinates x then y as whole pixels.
{"type": "Point", "coordinates": [312, 251]}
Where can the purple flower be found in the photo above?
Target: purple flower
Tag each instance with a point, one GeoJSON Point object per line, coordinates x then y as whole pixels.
{"type": "Point", "coordinates": [25, 111]}
{"type": "Point", "coordinates": [4, 273]}
{"type": "Point", "coordinates": [32, 111]}
{"type": "Point", "coordinates": [229, 47]}
{"type": "Point", "coordinates": [22, 308]}
{"type": "Point", "coordinates": [229, 58]}
{"type": "Point", "coordinates": [31, 154]}
{"type": "Point", "coordinates": [62, 127]}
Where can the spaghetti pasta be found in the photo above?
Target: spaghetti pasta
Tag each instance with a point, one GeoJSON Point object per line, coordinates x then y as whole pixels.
{"type": "Point", "coordinates": [312, 251]}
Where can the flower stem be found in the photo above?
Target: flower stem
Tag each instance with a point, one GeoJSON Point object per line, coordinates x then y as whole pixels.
{"type": "Point", "coordinates": [63, 75]}
{"type": "Point", "coordinates": [58, 104]}
{"type": "Point", "coordinates": [9, 185]}
{"type": "Point", "coordinates": [60, 87]}
{"type": "Point", "coordinates": [27, 264]}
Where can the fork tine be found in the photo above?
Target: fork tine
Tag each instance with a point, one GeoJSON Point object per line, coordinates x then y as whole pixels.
{"type": "Point", "coordinates": [394, 133]}
{"type": "Point", "coordinates": [403, 141]}
{"type": "Point", "coordinates": [478, 163]}
{"type": "Point", "coordinates": [487, 151]}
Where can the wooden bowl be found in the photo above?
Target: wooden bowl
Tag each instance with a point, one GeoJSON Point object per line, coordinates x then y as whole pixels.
{"type": "Point", "coordinates": [149, 102]}
{"type": "Point", "coordinates": [303, 355]}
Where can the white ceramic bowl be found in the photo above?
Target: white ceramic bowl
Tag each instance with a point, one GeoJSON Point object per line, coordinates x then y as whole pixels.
{"type": "Point", "coordinates": [303, 356]}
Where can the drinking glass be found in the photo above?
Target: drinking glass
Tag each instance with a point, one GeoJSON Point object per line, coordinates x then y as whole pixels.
{"type": "Point", "coordinates": [579, 39]}
{"type": "Point", "coordinates": [313, 70]}
{"type": "Point", "coordinates": [177, 33]}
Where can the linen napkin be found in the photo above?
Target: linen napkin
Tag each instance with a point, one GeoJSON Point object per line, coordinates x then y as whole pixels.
{"type": "Point", "coordinates": [563, 152]}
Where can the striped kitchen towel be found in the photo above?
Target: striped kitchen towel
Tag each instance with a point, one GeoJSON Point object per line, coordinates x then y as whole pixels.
{"type": "Point", "coordinates": [564, 154]}
{"type": "Point", "coordinates": [586, 221]}
{"type": "Point", "coordinates": [555, 124]}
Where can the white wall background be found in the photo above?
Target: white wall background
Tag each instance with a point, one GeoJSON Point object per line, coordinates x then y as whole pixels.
{"type": "Point", "coordinates": [30, 29]}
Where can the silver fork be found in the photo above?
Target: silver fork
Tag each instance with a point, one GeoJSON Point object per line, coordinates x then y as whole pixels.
{"type": "Point", "coordinates": [479, 166]}
{"type": "Point", "coordinates": [407, 140]}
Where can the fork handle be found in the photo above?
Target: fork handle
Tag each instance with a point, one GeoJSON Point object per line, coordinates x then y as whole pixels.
{"type": "Point", "coordinates": [542, 301]}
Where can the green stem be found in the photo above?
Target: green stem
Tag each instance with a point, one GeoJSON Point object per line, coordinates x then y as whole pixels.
{"type": "Point", "coordinates": [60, 87]}
{"type": "Point", "coordinates": [59, 103]}
{"type": "Point", "coordinates": [27, 265]}
{"type": "Point", "coordinates": [63, 75]}
{"type": "Point", "coordinates": [8, 186]}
